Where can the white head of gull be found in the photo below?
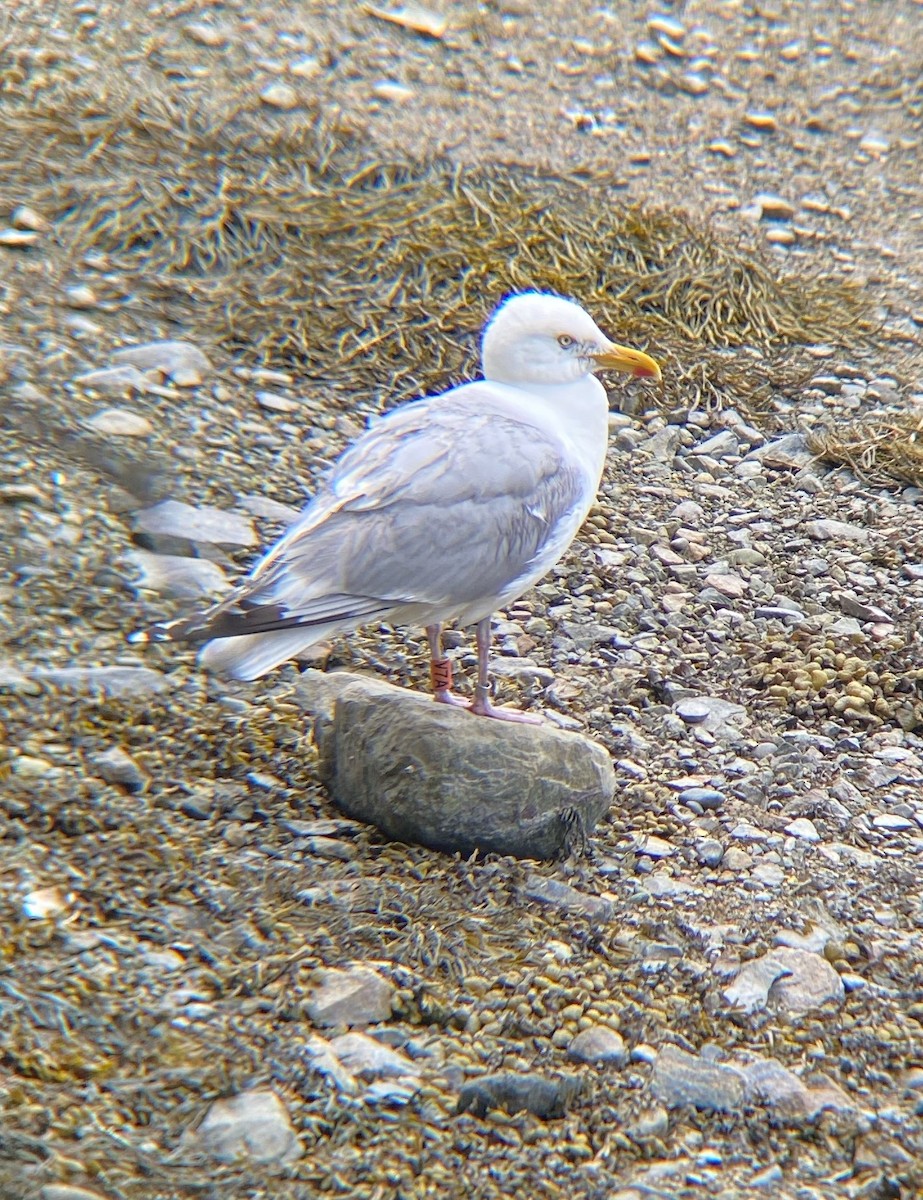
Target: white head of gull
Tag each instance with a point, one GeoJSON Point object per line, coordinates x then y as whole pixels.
{"type": "Point", "coordinates": [446, 509]}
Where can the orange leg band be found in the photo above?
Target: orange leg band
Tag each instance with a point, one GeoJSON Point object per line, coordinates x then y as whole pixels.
{"type": "Point", "coordinates": [440, 673]}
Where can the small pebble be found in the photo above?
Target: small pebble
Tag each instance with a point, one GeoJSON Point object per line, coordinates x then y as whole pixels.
{"type": "Point", "coordinates": [280, 95]}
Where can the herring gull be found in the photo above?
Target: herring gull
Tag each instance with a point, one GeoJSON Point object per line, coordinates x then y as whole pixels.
{"type": "Point", "coordinates": [446, 509]}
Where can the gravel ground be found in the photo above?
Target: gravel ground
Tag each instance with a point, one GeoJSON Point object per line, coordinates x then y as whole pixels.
{"type": "Point", "coordinates": [724, 995]}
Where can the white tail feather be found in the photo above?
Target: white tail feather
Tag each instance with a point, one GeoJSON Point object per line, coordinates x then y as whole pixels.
{"type": "Point", "coordinates": [253, 654]}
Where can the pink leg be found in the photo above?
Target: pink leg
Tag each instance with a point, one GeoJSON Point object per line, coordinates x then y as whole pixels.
{"type": "Point", "coordinates": [481, 704]}
{"type": "Point", "coordinates": [440, 670]}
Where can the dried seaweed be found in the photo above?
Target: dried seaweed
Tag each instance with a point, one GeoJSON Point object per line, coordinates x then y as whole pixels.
{"type": "Point", "coordinates": [881, 447]}
{"type": "Point", "coordinates": [295, 245]}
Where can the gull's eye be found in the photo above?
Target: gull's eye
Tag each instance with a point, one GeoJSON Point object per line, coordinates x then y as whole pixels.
{"type": "Point", "coordinates": [565, 341]}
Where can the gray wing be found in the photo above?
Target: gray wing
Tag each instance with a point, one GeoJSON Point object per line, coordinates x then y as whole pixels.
{"type": "Point", "coordinates": [441, 503]}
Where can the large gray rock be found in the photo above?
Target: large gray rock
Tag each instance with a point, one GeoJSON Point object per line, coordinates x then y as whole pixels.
{"type": "Point", "coordinates": [438, 776]}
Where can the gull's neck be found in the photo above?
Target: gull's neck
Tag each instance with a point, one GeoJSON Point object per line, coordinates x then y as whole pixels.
{"type": "Point", "coordinates": [577, 411]}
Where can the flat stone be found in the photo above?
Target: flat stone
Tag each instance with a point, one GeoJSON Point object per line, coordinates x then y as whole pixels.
{"type": "Point", "coordinates": [653, 846]}
{"type": "Point", "coordinates": [598, 1044]}
{"type": "Point", "coordinates": [845, 627]}
{"type": "Point", "coordinates": [19, 238]}
{"type": "Point", "coordinates": [111, 681]}
{"type": "Point", "coordinates": [44, 903]}
{"type": "Point", "coordinates": [442, 777]}
{"type": "Point", "coordinates": [205, 34]}
{"type": "Point", "coordinates": [769, 1177]}
{"type": "Point", "coordinates": [12, 679]}
{"type": "Point", "coordinates": [770, 206]}
{"type": "Point", "coordinates": [854, 607]}
{"type": "Point", "coordinates": [827, 530]}
{"type": "Point", "coordinates": [252, 1125]}
{"type": "Point", "coordinates": [711, 713]}
{"type": "Point", "coordinates": [790, 451]}
{"type": "Point", "coordinates": [816, 937]}
{"type": "Point", "coordinates": [178, 575]}
{"type": "Point", "coordinates": [706, 797]}
{"type": "Point", "coordinates": [718, 445]}
{"type": "Point", "coordinates": [803, 828]}
{"type": "Point", "coordinates": [180, 362]}
{"type": "Point", "coordinates": [562, 895]}
{"type": "Point", "coordinates": [892, 823]}
{"type": "Point", "coordinates": [728, 585]}
{"type": "Point", "coordinates": [541, 1095]}
{"type": "Point", "coordinates": [660, 883]}
{"type": "Point", "coordinates": [370, 1059]}
{"type": "Point", "coordinates": [354, 996]}
{"type": "Point", "coordinates": [119, 380]}
{"type": "Point", "coordinates": [268, 509]}
{"type": "Point", "coordinates": [31, 766]}
{"type": "Point", "coordinates": [24, 217]}
{"type": "Point", "coordinates": [874, 144]}
{"type": "Point", "coordinates": [215, 526]}
{"type": "Point", "coordinates": [809, 982]}
{"type": "Point", "coordinates": [680, 1079]}
{"type": "Point", "coordinates": [120, 422]}
{"type": "Point", "coordinates": [768, 874]}
{"type": "Point", "coordinates": [280, 95]}
{"type": "Point", "coordinates": [67, 1191]}
{"type": "Point", "coordinates": [775, 612]}
{"type": "Point", "coordinates": [663, 444]}
{"type": "Point", "coordinates": [770, 1083]}
{"type": "Point", "coordinates": [323, 1058]}
{"type": "Point", "coordinates": [750, 989]}
{"type": "Point", "coordinates": [80, 296]}
{"type": "Point", "coordinates": [745, 832]}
